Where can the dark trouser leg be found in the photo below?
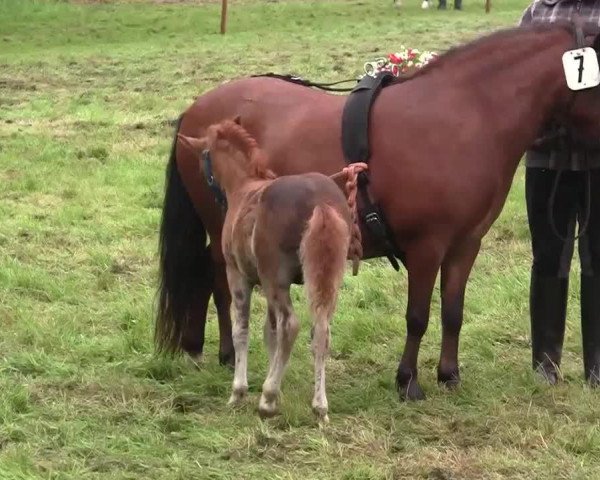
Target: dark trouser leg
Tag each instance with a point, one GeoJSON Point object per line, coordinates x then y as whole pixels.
{"type": "Point", "coordinates": [458, 4]}
{"type": "Point", "coordinates": [551, 264]}
{"type": "Point", "coordinates": [590, 327]}
{"type": "Point", "coordinates": [442, 5]}
{"type": "Point", "coordinates": [589, 253]}
{"type": "Point", "coordinates": [548, 307]}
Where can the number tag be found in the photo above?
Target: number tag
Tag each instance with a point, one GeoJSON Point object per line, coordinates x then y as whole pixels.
{"type": "Point", "coordinates": [581, 68]}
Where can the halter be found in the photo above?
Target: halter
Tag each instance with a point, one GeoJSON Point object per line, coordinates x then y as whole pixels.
{"type": "Point", "coordinates": [220, 197]}
{"type": "Point", "coordinates": [568, 146]}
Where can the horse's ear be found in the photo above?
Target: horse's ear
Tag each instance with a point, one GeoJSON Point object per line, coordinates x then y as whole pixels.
{"type": "Point", "coordinates": [238, 119]}
{"type": "Point", "coordinates": [195, 144]}
{"type": "Point", "coordinates": [596, 43]}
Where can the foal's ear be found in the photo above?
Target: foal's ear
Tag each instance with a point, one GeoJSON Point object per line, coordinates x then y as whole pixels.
{"type": "Point", "coordinates": [195, 144]}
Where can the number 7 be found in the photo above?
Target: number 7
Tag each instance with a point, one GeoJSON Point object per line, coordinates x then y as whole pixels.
{"type": "Point", "coordinates": [580, 58]}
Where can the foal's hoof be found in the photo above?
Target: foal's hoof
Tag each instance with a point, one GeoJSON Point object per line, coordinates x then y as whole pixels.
{"type": "Point", "coordinates": [237, 396]}
{"type": "Point", "coordinates": [321, 414]}
{"type": "Point", "coordinates": [267, 406]}
{"type": "Point", "coordinates": [548, 373]}
{"type": "Point", "coordinates": [227, 358]}
{"type": "Point", "coordinates": [323, 421]}
{"type": "Point", "coordinates": [267, 412]}
{"type": "Point", "coordinates": [450, 380]}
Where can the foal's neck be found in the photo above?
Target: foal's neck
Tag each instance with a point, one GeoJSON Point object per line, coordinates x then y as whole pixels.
{"type": "Point", "coordinates": [238, 176]}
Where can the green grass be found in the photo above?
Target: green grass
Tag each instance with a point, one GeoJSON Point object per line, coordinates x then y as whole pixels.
{"type": "Point", "coordinates": [87, 91]}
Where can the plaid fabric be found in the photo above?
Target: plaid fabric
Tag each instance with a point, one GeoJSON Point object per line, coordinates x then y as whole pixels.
{"type": "Point", "coordinates": [551, 11]}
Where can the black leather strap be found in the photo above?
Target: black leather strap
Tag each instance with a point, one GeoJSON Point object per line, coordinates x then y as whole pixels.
{"type": "Point", "coordinates": [355, 118]}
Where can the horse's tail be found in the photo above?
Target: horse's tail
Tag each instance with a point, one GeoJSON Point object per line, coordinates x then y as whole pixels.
{"type": "Point", "coordinates": [323, 253]}
{"type": "Point", "coordinates": [185, 264]}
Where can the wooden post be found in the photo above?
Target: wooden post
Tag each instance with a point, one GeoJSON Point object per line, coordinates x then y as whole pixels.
{"type": "Point", "coordinates": [488, 6]}
{"type": "Point", "coordinates": [224, 16]}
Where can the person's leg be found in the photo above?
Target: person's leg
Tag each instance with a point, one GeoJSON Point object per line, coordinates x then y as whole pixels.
{"type": "Point", "coordinates": [551, 264]}
{"type": "Point", "coordinates": [589, 253]}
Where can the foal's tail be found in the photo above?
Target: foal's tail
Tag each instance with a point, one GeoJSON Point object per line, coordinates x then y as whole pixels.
{"type": "Point", "coordinates": [323, 253]}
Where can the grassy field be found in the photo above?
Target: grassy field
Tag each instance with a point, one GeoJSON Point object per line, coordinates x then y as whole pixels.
{"type": "Point", "coordinates": [87, 91]}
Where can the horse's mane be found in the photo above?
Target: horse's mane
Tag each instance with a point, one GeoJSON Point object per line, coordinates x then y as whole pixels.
{"type": "Point", "coordinates": [451, 54]}
{"type": "Point", "coordinates": [239, 138]}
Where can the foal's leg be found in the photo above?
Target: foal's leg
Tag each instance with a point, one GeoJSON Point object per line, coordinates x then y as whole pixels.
{"type": "Point", "coordinates": [423, 263]}
{"type": "Point", "coordinates": [242, 292]}
{"type": "Point", "coordinates": [455, 273]}
{"type": "Point", "coordinates": [320, 349]}
{"type": "Point", "coordinates": [287, 330]}
{"type": "Point", "coordinates": [270, 333]}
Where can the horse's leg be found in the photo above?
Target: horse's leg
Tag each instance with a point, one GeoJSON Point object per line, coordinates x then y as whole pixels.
{"type": "Point", "coordinates": [423, 263]}
{"type": "Point", "coordinates": [192, 340]}
{"type": "Point", "coordinates": [456, 269]}
{"type": "Point", "coordinates": [287, 330]}
{"type": "Point", "coordinates": [242, 292]}
{"type": "Point", "coordinates": [222, 298]}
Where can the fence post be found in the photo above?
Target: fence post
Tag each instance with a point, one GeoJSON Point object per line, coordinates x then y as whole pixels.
{"type": "Point", "coordinates": [224, 16]}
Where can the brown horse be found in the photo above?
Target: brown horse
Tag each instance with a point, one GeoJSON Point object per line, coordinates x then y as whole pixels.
{"type": "Point", "coordinates": [276, 230]}
{"type": "Point", "coordinates": [445, 147]}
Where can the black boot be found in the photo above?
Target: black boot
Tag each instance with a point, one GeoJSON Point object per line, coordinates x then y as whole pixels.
{"type": "Point", "coordinates": [442, 5]}
{"type": "Point", "coordinates": [457, 4]}
{"type": "Point", "coordinates": [548, 308]}
{"type": "Point", "coordinates": [590, 328]}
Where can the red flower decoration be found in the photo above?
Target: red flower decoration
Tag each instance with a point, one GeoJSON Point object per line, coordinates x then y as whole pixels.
{"type": "Point", "coordinates": [394, 58]}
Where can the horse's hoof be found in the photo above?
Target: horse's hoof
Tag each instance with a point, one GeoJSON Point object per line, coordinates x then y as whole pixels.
{"type": "Point", "coordinates": [411, 392]}
{"type": "Point", "coordinates": [548, 373]}
{"type": "Point", "coordinates": [195, 359]}
{"type": "Point", "coordinates": [450, 380]}
{"type": "Point", "coordinates": [227, 358]}
{"type": "Point", "coordinates": [407, 385]}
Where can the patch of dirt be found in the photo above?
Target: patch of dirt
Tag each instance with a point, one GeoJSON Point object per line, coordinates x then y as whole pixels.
{"type": "Point", "coordinates": [16, 84]}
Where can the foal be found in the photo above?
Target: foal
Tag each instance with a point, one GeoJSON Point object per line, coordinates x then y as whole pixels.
{"type": "Point", "coordinates": [279, 231]}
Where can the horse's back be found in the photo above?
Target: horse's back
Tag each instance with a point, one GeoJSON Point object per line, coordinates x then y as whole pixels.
{"type": "Point", "coordinates": [291, 122]}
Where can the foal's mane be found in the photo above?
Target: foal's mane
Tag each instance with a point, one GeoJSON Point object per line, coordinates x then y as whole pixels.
{"type": "Point", "coordinates": [506, 33]}
{"type": "Point", "coordinates": [240, 139]}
